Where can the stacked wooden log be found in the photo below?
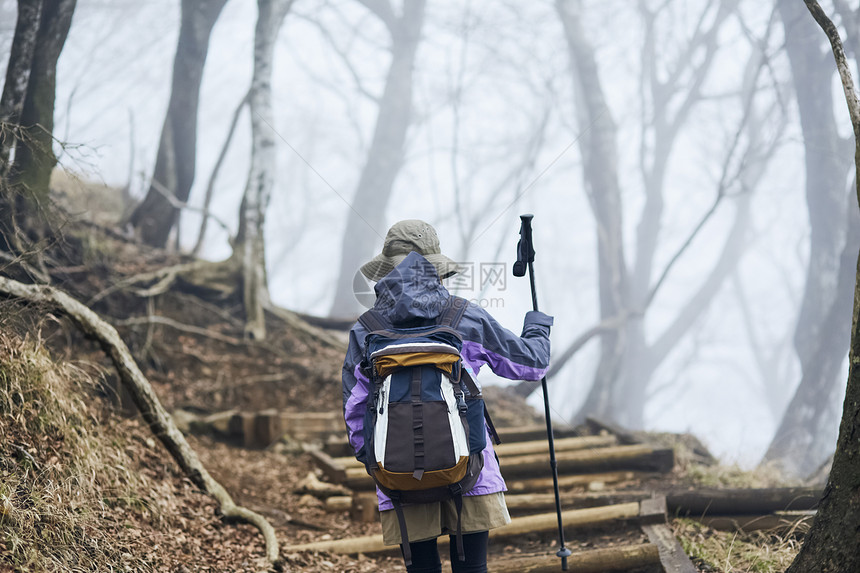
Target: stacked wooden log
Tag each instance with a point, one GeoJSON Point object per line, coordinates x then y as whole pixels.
{"type": "Point", "coordinates": [591, 469]}
{"type": "Point", "coordinates": [255, 430]}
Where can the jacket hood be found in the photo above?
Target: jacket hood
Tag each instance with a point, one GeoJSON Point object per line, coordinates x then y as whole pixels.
{"type": "Point", "coordinates": [412, 290]}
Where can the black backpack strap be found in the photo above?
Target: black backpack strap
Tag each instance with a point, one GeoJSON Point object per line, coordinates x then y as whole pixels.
{"type": "Point", "coordinates": [470, 384]}
{"type": "Point", "coordinates": [457, 496]}
{"type": "Point", "coordinates": [417, 423]}
{"type": "Point", "coordinates": [493, 433]}
{"type": "Point", "coordinates": [404, 535]}
{"type": "Point", "coordinates": [453, 312]}
{"type": "Point", "coordinates": [373, 320]}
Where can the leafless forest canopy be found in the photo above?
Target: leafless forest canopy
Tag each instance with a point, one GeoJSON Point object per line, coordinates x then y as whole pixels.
{"type": "Point", "coordinates": [689, 165]}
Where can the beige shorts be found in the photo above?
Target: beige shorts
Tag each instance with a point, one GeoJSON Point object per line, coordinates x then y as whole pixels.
{"type": "Point", "coordinates": [430, 520]}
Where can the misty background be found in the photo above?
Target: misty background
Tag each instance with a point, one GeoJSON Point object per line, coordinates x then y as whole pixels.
{"type": "Point", "coordinates": [688, 165]}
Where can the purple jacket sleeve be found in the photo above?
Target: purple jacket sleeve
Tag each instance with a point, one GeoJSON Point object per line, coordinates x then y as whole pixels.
{"type": "Point", "coordinates": [524, 357]}
{"type": "Point", "coordinates": [356, 388]}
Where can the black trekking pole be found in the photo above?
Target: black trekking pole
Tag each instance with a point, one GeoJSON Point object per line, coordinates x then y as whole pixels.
{"type": "Point", "coordinates": [525, 260]}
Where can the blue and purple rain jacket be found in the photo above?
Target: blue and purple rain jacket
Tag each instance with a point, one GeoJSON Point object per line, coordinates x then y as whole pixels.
{"type": "Point", "coordinates": [412, 291]}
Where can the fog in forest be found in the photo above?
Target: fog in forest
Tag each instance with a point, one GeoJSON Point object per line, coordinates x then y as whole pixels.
{"type": "Point", "coordinates": [688, 165]}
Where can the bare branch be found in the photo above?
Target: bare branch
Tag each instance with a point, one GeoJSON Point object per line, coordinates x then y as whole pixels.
{"type": "Point", "coordinates": [612, 323]}
{"type": "Point", "coordinates": [344, 58]}
{"type": "Point", "coordinates": [176, 203]}
{"type": "Point", "coordinates": [210, 187]}
{"type": "Point", "coordinates": [165, 321]}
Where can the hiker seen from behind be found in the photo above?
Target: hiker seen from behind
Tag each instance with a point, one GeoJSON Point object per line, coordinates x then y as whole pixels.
{"type": "Point", "coordinates": [413, 407]}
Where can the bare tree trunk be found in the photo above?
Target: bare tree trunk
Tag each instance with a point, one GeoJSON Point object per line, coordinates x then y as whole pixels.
{"type": "Point", "coordinates": [822, 321]}
{"type": "Point", "coordinates": [628, 360]}
{"type": "Point", "coordinates": [11, 104]}
{"type": "Point", "coordinates": [250, 243]}
{"type": "Point", "coordinates": [34, 154]}
{"type": "Point", "coordinates": [832, 545]}
{"type": "Point", "coordinates": [640, 362]}
{"type": "Point", "coordinates": [599, 152]}
{"type": "Point", "coordinates": [177, 152]}
{"type": "Point", "coordinates": [18, 76]}
{"type": "Point", "coordinates": [366, 221]}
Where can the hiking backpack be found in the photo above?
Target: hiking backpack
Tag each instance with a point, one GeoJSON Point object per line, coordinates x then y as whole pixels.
{"type": "Point", "coordinates": [424, 424]}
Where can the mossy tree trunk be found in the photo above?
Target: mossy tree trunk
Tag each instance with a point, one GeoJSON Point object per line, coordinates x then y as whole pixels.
{"type": "Point", "coordinates": [18, 76]}
{"type": "Point", "coordinates": [833, 542]}
{"type": "Point", "coordinates": [175, 162]}
{"type": "Point", "coordinates": [599, 152]}
{"type": "Point", "coordinates": [28, 114]}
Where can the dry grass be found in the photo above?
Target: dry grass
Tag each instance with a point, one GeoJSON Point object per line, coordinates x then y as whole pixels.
{"type": "Point", "coordinates": [61, 478]}
{"type": "Point", "coordinates": [755, 552]}
{"type": "Point", "coordinates": [733, 476]}
{"type": "Point", "coordinates": [84, 198]}
{"type": "Point", "coordinates": [82, 489]}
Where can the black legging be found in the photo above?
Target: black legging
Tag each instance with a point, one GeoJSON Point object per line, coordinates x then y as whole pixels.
{"type": "Point", "coordinates": [425, 555]}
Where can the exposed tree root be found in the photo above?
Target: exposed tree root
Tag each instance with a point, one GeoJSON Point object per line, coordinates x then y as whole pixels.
{"type": "Point", "coordinates": [160, 422]}
{"type": "Point", "coordinates": [223, 277]}
{"type": "Point", "coordinates": [165, 321]}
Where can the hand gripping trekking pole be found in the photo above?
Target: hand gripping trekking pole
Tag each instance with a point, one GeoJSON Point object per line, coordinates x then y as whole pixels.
{"type": "Point", "coordinates": [525, 260]}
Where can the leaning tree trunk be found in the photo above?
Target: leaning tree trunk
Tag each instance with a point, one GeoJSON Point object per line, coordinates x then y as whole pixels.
{"type": "Point", "coordinates": [833, 543]}
{"type": "Point", "coordinates": [250, 245]}
{"type": "Point", "coordinates": [177, 152]}
{"type": "Point", "coordinates": [600, 157]}
{"type": "Point", "coordinates": [18, 76]}
{"type": "Point", "coordinates": [11, 104]}
{"type": "Point", "coordinates": [366, 221]}
{"type": "Point", "coordinates": [823, 315]}
{"type": "Point", "coordinates": [34, 153]}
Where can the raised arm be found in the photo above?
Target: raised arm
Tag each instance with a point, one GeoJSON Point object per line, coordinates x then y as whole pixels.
{"type": "Point", "coordinates": [524, 357]}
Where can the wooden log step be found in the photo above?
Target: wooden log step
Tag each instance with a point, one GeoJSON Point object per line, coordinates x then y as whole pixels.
{"type": "Point", "coordinates": [338, 503]}
{"type": "Point", "coordinates": [531, 502]}
{"type": "Point", "coordinates": [624, 436]}
{"type": "Point", "coordinates": [533, 432]}
{"type": "Point", "coordinates": [602, 560]}
{"type": "Point", "coordinates": [506, 450]}
{"type": "Point", "coordinates": [693, 503]}
{"type": "Point", "coordinates": [597, 479]}
{"type": "Point", "coordinates": [334, 471]}
{"type": "Point", "coordinates": [358, 480]}
{"type": "Point", "coordinates": [338, 447]}
{"type": "Point", "coordinates": [742, 501]}
{"type": "Point", "coordinates": [652, 518]}
{"type": "Point", "coordinates": [574, 518]}
{"type": "Point", "coordinates": [635, 457]}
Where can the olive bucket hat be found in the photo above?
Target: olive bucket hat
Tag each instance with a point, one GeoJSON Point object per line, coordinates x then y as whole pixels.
{"type": "Point", "coordinates": [403, 238]}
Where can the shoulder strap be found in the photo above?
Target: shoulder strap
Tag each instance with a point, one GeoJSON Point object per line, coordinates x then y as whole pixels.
{"type": "Point", "coordinates": [453, 312]}
{"type": "Point", "coordinates": [373, 320]}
